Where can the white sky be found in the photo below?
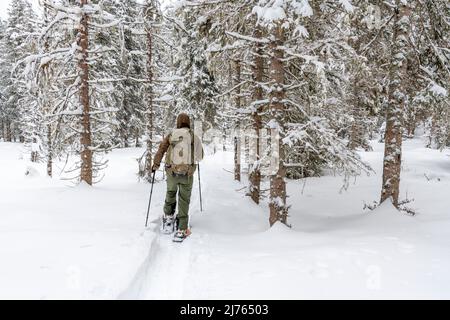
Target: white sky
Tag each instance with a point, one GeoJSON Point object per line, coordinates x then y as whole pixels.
{"type": "Point", "coordinates": [4, 7]}
{"type": "Point", "coordinates": [5, 3]}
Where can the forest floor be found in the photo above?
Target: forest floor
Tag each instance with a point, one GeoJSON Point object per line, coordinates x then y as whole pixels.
{"type": "Point", "coordinates": [63, 241]}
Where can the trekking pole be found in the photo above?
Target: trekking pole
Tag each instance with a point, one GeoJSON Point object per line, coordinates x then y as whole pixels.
{"type": "Point", "coordinates": [150, 200]}
{"type": "Point", "coordinates": [200, 188]}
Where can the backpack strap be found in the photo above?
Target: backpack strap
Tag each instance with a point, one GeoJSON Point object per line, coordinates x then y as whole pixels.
{"type": "Point", "coordinates": [192, 147]}
{"type": "Point", "coordinates": [169, 151]}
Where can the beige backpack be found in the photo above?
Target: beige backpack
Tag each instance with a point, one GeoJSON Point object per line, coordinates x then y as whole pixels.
{"type": "Point", "coordinates": [180, 155]}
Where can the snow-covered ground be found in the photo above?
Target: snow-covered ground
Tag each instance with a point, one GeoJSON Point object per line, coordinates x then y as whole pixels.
{"type": "Point", "coordinates": [60, 241]}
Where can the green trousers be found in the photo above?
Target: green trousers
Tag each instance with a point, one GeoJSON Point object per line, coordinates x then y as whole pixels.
{"type": "Point", "coordinates": [181, 185]}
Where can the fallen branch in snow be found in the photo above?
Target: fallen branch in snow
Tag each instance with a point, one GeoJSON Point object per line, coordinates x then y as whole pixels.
{"type": "Point", "coordinates": [431, 179]}
{"type": "Point", "coordinates": [402, 207]}
{"type": "Point", "coordinates": [227, 171]}
{"type": "Point", "coordinates": [371, 207]}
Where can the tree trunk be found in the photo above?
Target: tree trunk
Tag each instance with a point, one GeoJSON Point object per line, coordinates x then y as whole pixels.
{"type": "Point", "coordinates": [224, 139]}
{"type": "Point", "coordinates": [411, 123]}
{"type": "Point", "coordinates": [434, 121]}
{"type": "Point", "coordinates": [358, 128]}
{"type": "Point", "coordinates": [394, 113]}
{"type": "Point", "coordinates": [49, 151]}
{"type": "Point", "coordinates": [8, 134]}
{"type": "Point", "coordinates": [258, 74]}
{"type": "Point", "coordinates": [125, 140]}
{"type": "Point", "coordinates": [149, 100]}
{"type": "Point", "coordinates": [278, 208]}
{"type": "Point", "coordinates": [237, 159]}
{"type": "Point", "coordinates": [45, 95]}
{"type": "Point", "coordinates": [136, 136]}
{"type": "Point", "coordinates": [86, 135]}
{"type": "Point", "coordinates": [34, 154]}
{"type": "Point", "coordinates": [237, 139]}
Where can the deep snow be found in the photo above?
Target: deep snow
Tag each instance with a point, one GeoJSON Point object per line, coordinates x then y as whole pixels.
{"type": "Point", "coordinates": [66, 242]}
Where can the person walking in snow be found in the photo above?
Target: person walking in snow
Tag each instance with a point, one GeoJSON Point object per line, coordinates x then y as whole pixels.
{"type": "Point", "coordinates": [183, 150]}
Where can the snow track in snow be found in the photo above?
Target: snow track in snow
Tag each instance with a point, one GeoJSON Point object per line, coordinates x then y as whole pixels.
{"type": "Point", "coordinates": [136, 286]}
{"type": "Point", "coordinates": [172, 270]}
{"type": "Point", "coordinates": [166, 277]}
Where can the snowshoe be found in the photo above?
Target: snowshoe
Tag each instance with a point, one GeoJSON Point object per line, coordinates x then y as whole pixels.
{"type": "Point", "coordinates": [181, 235]}
{"type": "Point", "coordinates": [168, 225]}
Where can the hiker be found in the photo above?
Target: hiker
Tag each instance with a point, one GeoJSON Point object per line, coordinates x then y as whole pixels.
{"type": "Point", "coordinates": [183, 151]}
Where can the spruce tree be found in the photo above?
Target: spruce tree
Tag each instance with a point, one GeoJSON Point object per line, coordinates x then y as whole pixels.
{"type": "Point", "coordinates": [16, 44]}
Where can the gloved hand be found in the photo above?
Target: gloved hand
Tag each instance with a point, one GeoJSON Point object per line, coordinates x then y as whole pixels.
{"type": "Point", "coordinates": [155, 167]}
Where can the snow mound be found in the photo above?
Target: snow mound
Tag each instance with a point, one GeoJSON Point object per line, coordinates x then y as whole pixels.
{"type": "Point", "coordinates": [31, 172]}
{"type": "Point", "coordinates": [384, 217]}
{"type": "Point", "coordinates": [279, 229]}
{"type": "Point", "coordinates": [388, 213]}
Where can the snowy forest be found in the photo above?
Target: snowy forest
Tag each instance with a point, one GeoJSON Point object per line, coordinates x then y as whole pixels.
{"type": "Point", "coordinates": [357, 92]}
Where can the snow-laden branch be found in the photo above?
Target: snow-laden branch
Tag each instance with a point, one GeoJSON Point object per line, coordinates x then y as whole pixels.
{"type": "Point", "coordinates": [247, 38]}
{"type": "Point", "coordinates": [232, 89]}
